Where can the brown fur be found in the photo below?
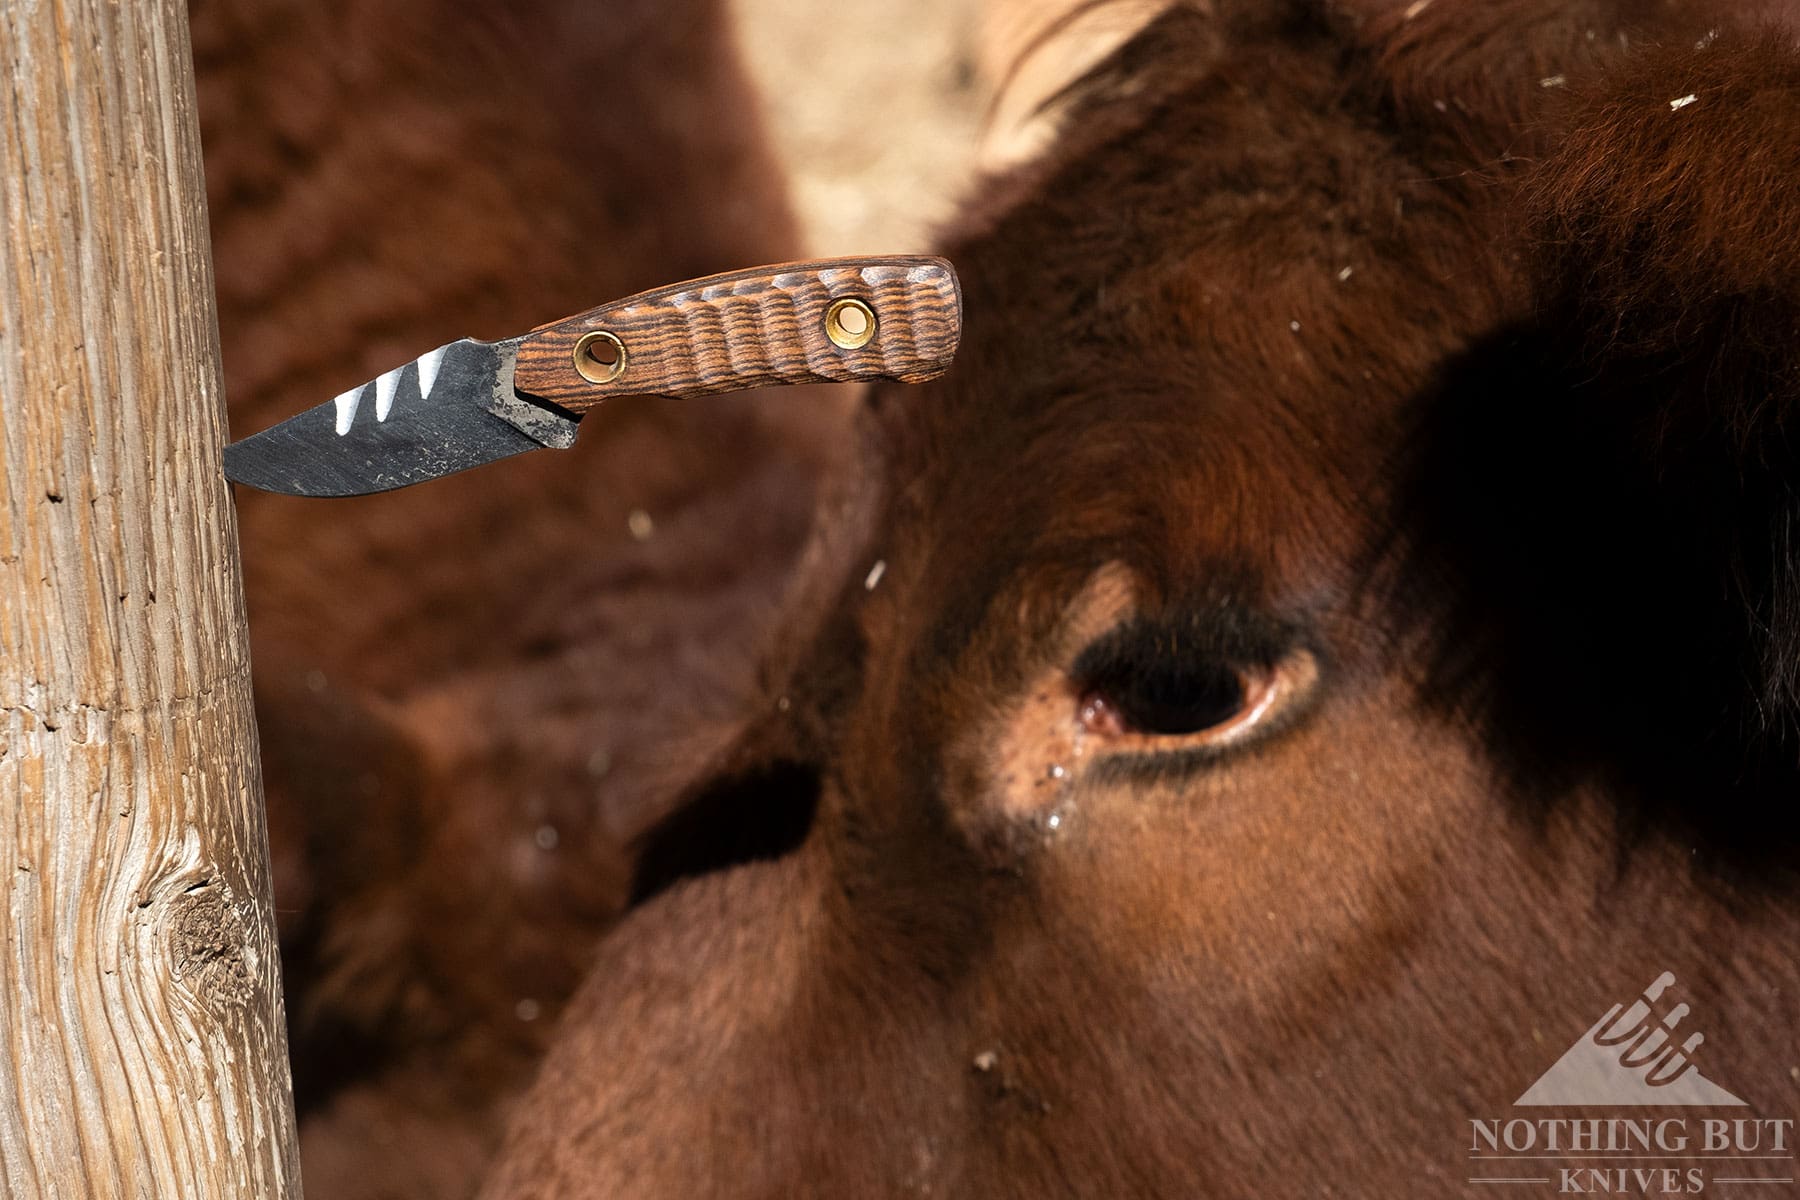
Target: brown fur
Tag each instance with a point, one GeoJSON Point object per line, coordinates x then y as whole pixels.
{"type": "Point", "coordinates": [1023, 949]}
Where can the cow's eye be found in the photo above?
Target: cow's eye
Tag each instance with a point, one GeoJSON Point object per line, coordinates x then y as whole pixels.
{"type": "Point", "coordinates": [1210, 700]}
{"type": "Point", "coordinates": [1167, 698]}
{"type": "Point", "coordinates": [1151, 682]}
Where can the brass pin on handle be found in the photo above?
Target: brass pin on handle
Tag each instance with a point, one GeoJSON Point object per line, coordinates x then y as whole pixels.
{"type": "Point", "coordinates": [599, 357]}
{"type": "Point", "coordinates": [849, 323]}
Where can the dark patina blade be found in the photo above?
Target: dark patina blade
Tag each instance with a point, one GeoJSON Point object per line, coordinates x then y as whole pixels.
{"type": "Point", "coordinates": [446, 411]}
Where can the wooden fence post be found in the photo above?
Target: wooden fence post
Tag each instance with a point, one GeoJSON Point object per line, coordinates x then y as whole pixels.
{"type": "Point", "coordinates": [142, 1051]}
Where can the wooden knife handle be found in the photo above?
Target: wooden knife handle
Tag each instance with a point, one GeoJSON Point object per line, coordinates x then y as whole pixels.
{"type": "Point", "coordinates": [804, 322]}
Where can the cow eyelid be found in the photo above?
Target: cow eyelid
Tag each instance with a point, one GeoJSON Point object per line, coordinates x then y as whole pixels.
{"type": "Point", "coordinates": [1223, 633]}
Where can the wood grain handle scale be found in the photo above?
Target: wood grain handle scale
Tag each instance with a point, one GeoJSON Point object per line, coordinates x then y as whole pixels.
{"type": "Point", "coordinates": [792, 323]}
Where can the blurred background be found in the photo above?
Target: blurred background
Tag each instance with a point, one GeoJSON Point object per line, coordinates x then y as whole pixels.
{"type": "Point", "coordinates": [884, 115]}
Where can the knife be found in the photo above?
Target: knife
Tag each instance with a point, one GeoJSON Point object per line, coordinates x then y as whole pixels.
{"type": "Point", "coordinates": [471, 402]}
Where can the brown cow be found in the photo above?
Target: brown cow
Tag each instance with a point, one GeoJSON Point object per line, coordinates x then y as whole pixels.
{"type": "Point", "coordinates": [1333, 635]}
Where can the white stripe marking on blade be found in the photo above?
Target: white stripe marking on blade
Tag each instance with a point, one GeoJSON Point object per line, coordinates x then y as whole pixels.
{"type": "Point", "coordinates": [384, 393]}
{"type": "Point", "coordinates": [346, 405]}
{"type": "Point", "coordinates": [428, 369]}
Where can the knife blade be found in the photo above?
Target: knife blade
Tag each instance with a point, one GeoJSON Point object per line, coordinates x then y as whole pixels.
{"type": "Point", "coordinates": [471, 402]}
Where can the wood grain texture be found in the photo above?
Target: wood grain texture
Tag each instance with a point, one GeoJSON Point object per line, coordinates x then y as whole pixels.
{"type": "Point", "coordinates": [757, 328]}
{"type": "Point", "coordinates": [142, 1044]}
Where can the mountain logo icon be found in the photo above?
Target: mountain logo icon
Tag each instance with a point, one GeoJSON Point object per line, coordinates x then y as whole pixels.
{"type": "Point", "coordinates": [1631, 1056]}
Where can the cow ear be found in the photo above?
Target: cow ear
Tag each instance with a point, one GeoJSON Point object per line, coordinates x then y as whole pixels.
{"type": "Point", "coordinates": [1609, 491]}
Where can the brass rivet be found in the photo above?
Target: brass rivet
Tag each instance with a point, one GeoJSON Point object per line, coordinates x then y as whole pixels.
{"type": "Point", "coordinates": [850, 324]}
{"type": "Point", "coordinates": [600, 357]}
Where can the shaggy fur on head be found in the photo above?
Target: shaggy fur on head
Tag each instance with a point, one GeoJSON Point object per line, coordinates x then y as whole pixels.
{"type": "Point", "coordinates": [1669, 271]}
{"type": "Point", "coordinates": [1606, 491]}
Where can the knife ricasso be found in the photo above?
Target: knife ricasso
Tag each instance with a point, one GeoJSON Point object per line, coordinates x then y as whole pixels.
{"type": "Point", "coordinates": [759, 328]}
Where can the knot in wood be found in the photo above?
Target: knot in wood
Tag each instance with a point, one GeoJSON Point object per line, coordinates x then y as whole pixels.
{"type": "Point", "coordinates": [207, 944]}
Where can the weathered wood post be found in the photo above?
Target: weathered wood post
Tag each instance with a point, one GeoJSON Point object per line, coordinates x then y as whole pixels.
{"type": "Point", "coordinates": [142, 1051]}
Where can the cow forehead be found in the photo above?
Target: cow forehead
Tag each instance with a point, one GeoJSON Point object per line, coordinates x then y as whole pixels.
{"type": "Point", "coordinates": [1189, 349]}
